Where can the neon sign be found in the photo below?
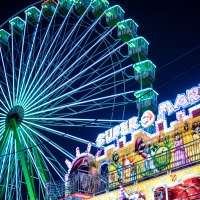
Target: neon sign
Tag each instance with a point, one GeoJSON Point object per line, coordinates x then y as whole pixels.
{"type": "Point", "coordinates": [191, 97]}
{"type": "Point", "coordinates": [147, 119]}
{"type": "Point", "coordinates": [132, 125]}
{"type": "Point", "coordinates": [118, 131]}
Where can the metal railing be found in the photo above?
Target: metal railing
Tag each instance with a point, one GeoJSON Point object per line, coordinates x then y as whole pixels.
{"type": "Point", "coordinates": [168, 161]}
{"type": "Point", "coordinates": [84, 182]}
{"type": "Point", "coordinates": [81, 182]}
{"type": "Point", "coordinates": [55, 190]}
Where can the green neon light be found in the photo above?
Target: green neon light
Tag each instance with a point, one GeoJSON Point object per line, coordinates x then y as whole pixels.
{"type": "Point", "coordinates": [29, 185]}
{"type": "Point", "coordinates": [4, 33]}
{"type": "Point", "coordinates": [145, 93]}
{"type": "Point", "coordinates": [131, 44]}
{"type": "Point", "coordinates": [122, 26]}
{"type": "Point", "coordinates": [113, 10]}
{"type": "Point", "coordinates": [138, 69]}
{"type": "Point", "coordinates": [108, 14]}
{"type": "Point", "coordinates": [40, 165]}
{"type": "Point", "coordinates": [66, 1]}
{"type": "Point", "coordinates": [98, 3]}
{"type": "Point", "coordinates": [45, 6]}
{"type": "Point", "coordinates": [17, 20]}
{"type": "Point", "coordinates": [32, 10]}
{"type": "Point", "coordinates": [28, 13]}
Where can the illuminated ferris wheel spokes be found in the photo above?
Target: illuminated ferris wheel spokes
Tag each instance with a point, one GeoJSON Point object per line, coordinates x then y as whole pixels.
{"type": "Point", "coordinates": [60, 66]}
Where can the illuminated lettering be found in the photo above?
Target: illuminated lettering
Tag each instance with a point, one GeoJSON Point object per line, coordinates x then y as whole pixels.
{"type": "Point", "coordinates": [181, 101]}
{"type": "Point", "coordinates": [109, 136]}
{"type": "Point", "coordinates": [100, 141]}
{"type": "Point", "coordinates": [194, 110]}
{"type": "Point", "coordinates": [116, 131]}
{"type": "Point", "coordinates": [193, 95]}
{"type": "Point", "coordinates": [124, 128]}
{"type": "Point", "coordinates": [180, 115]}
{"type": "Point", "coordinates": [133, 124]}
{"type": "Point", "coordinates": [120, 130]}
{"type": "Point", "coordinates": [164, 107]}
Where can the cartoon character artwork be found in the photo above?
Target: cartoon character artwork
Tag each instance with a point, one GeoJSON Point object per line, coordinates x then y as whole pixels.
{"type": "Point", "coordinates": [196, 137]}
{"type": "Point", "coordinates": [135, 195]}
{"type": "Point", "coordinates": [196, 128]}
{"type": "Point", "coordinates": [161, 138]}
{"type": "Point", "coordinates": [118, 166]}
{"type": "Point", "coordinates": [162, 154]}
{"type": "Point", "coordinates": [180, 155]}
{"type": "Point", "coordinates": [156, 157]}
{"type": "Point", "coordinates": [126, 165]}
{"type": "Point", "coordinates": [186, 126]}
{"type": "Point", "coordinates": [143, 149]}
{"type": "Point", "coordinates": [159, 196]}
{"type": "Point", "coordinates": [147, 119]}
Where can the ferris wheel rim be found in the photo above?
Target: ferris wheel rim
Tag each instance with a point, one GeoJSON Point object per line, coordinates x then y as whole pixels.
{"type": "Point", "coordinates": [110, 48]}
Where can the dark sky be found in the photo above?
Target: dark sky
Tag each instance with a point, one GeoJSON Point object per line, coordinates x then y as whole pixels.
{"type": "Point", "coordinates": [171, 27]}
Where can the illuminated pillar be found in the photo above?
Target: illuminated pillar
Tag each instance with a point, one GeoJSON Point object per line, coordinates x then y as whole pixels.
{"type": "Point", "coordinates": [166, 193]}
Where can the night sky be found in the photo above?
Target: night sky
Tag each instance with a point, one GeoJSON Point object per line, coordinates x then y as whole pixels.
{"type": "Point", "coordinates": [171, 27]}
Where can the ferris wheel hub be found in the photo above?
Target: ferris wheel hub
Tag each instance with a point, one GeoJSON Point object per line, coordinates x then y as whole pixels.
{"type": "Point", "coordinates": [17, 112]}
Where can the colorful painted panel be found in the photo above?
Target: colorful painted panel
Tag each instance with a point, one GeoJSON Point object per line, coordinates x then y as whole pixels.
{"type": "Point", "coordinates": [145, 190]}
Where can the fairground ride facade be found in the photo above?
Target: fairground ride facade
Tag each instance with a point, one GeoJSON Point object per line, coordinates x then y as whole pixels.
{"type": "Point", "coordinates": [61, 65]}
{"type": "Point", "coordinates": [159, 166]}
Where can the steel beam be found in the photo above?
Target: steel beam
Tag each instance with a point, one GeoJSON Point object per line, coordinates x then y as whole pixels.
{"type": "Point", "coordinates": [26, 173]}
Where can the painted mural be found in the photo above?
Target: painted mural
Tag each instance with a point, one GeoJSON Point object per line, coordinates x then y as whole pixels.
{"type": "Point", "coordinates": [146, 190]}
{"type": "Point", "coordinates": [163, 147]}
{"type": "Point", "coordinates": [131, 195]}
{"type": "Point", "coordinates": [146, 155]}
{"type": "Point", "coordinates": [149, 166]}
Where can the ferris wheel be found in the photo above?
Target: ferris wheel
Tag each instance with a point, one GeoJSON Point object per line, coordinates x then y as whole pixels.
{"type": "Point", "coordinates": [62, 64]}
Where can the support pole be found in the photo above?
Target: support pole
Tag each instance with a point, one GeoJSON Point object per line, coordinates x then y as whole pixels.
{"type": "Point", "coordinates": [40, 166]}
{"type": "Point", "coordinates": [166, 193]}
{"type": "Point", "coordinates": [29, 185]}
